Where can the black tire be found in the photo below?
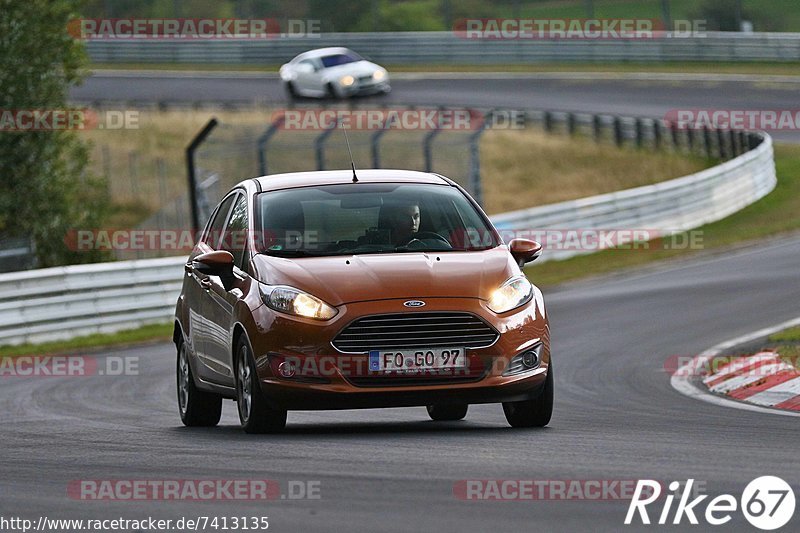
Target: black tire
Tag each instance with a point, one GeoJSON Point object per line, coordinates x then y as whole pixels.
{"type": "Point", "coordinates": [197, 408]}
{"type": "Point", "coordinates": [442, 413]}
{"type": "Point", "coordinates": [532, 413]}
{"type": "Point", "coordinates": [255, 414]}
{"type": "Point", "coordinates": [291, 92]}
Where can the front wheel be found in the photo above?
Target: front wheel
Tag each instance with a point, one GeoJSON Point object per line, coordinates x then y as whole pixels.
{"type": "Point", "coordinates": [197, 408]}
{"type": "Point", "coordinates": [532, 413]}
{"type": "Point", "coordinates": [255, 414]}
{"type": "Point", "coordinates": [447, 412]}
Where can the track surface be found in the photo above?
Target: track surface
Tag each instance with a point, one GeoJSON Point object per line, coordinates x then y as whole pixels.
{"type": "Point", "coordinates": [626, 96]}
{"type": "Point", "coordinates": [616, 417]}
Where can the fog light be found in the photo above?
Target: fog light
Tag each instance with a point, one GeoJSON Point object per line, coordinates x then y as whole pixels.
{"type": "Point", "coordinates": [524, 362]}
{"type": "Point", "coordinates": [287, 369]}
{"type": "Point", "coordinates": [530, 359]}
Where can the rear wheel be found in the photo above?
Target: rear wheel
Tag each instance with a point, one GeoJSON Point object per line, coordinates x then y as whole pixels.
{"type": "Point", "coordinates": [197, 408]}
{"type": "Point", "coordinates": [255, 414]}
{"type": "Point", "coordinates": [291, 92]}
{"type": "Point", "coordinates": [447, 412]}
{"type": "Point", "coordinates": [532, 413]}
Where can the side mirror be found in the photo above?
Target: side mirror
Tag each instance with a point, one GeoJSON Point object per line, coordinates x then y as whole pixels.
{"type": "Point", "coordinates": [524, 251]}
{"type": "Point", "coordinates": [218, 263]}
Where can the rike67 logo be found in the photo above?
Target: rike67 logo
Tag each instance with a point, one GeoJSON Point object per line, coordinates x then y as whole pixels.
{"type": "Point", "coordinates": [767, 503]}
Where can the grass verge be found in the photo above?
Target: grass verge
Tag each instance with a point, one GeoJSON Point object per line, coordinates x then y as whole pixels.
{"type": "Point", "coordinates": [774, 214]}
{"type": "Point", "coordinates": [144, 334]}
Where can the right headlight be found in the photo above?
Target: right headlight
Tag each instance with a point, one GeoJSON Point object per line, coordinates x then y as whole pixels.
{"type": "Point", "coordinates": [347, 81]}
{"type": "Point", "coordinates": [513, 293]}
{"type": "Point", "coordinates": [296, 302]}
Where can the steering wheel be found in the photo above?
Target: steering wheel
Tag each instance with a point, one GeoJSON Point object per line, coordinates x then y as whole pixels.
{"type": "Point", "coordinates": [428, 235]}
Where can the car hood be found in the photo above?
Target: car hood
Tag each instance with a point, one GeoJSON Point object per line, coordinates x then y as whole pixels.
{"type": "Point", "coordinates": [358, 68]}
{"type": "Point", "coordinates": [354, 278]}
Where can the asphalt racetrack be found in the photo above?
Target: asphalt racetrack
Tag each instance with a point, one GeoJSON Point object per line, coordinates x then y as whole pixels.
{"type": "Point", "coordinates": [646, 95]}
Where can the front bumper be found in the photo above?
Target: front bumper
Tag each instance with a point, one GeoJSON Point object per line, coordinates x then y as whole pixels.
{"type": "Point", "coordinates": [325, 378]}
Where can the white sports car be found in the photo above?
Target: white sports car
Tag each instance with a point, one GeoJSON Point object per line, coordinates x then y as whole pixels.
{"type": "Point", "coordinates": [333, 73]}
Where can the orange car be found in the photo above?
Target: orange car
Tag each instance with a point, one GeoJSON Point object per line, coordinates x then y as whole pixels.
{"type": "Point", "coordinates": [323, 290]}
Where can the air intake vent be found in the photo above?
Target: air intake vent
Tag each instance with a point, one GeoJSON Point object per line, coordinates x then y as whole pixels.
{"type": "Point", "coordinates": [415, 330]}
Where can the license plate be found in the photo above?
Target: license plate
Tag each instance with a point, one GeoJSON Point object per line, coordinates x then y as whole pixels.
{"type": "Point", "coordinates": [416, 359]}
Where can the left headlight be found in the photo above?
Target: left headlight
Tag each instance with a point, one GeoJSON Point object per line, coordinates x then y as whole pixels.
{"type": "Point", "coordinates": [296, 302]}
{"type": "Point", "coordinates": [513, 293]}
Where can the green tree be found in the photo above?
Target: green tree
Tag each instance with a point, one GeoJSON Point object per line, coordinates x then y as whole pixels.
{"type": "Point", "coordinates": [45, 190]}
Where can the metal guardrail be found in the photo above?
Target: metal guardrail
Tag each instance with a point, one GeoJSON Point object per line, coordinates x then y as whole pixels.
{"type": "Point", "coordinates": [62, 302]}
{"type": "Point", "coordinates": [668, 207]}
{"type": "Point", "coordinates": [448, 47]}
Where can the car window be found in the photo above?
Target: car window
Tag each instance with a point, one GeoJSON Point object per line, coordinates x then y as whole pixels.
{"type": "Point", "coordinates": [235, 236]}
{"type": "Point", "coordinates": [214, 231]}
{"type": "Point", "coordinates": [369, 218]}
{"type": "Point", "coordinates": [339, 59]}
{"type": "Point", "coordinates": [309, 62]}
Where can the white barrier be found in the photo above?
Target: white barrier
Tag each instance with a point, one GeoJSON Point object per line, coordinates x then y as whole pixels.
{"type": "Point", "coordinates": [64, 302]}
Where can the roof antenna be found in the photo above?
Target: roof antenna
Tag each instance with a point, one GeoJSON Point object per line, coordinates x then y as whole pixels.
{"type": "Point", "coordinates": [352, 163]}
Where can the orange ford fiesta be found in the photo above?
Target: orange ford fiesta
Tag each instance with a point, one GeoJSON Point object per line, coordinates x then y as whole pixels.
{"type": "Point", "coordinates": [323, 290]}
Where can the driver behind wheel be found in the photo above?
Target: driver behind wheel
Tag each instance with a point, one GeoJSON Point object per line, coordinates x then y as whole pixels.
{"type": "Point", "coordinates": [402, 221]}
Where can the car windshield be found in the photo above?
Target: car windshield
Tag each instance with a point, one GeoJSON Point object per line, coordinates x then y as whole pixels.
{"type": "Point", "coordinates": [340, 59]}
{"type": "Point", "coordinates": [369, 218]}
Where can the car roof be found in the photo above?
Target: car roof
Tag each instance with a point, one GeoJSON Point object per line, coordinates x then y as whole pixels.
{"type": "Point", "coordinates": [320, 52]}
{"type": "Point", "coordinates": [290, 180]}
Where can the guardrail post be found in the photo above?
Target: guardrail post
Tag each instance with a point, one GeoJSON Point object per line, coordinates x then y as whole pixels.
{"type": "Point", "coordinates": [548, 121]}
{"type": "Point", "coordinates": [597, 127]}
{"type": "Point", "coordinates": [639, 133]}
{"type": "Point", "coordinates": [690, 138]}
{"type": "Point", "coordinates": [707, 140]}
{"type": "Point", "coordinates": [264, 140]}
{"type": "Point", "coordinates": [734, 148]}
{"type": "Point", "coordinates": [190, 169]}
{"type": "Point", "coordinates": [656, 134]}
{"type": "Point", "coordinates": [673, 130]}
{"type": "Point", "coordinates": [721, 145]}
{"type": "Point", "coordinates": [618, 140]}
{"type": "Point", "coordinates": [571, 124]}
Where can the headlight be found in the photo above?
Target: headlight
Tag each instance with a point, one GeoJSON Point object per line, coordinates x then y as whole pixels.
{"type": "Point", "coordinates": [379, 75]}
{"type": "Point", "coordinates": [347, 81]}
{"type": "Point", "coordinates": [511, 294]}
{"type": "Point", "coordinates": [296, 302]}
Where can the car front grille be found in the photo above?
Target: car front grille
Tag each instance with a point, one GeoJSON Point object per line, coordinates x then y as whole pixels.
{"type": "Point", "coordinates": [415, 330]}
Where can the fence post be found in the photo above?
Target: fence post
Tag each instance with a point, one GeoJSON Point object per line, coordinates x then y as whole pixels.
{"type": "Point", "coordinates": [319, 145]}
{"type": "Point", "coordinates": [618, 140]}
{"type": "Point", "coordinates": [375, 141]}
{"type": "Point", "coordinates": [190, 170]}
{"type": "Point", "coordinates": [721, 145]}
{"type": "Point", "coordinates": [734, 148]}
{"type": "Point", "coordinates": [474, 160]}
{"type": "Point", "coordinates": [707, 140]}
{"type": "Point", "coordinates": [427, 143]}
{"type": "Point", "coordinates": [571, 124]}
{"type": "Point", "coordinates": [264, 140]}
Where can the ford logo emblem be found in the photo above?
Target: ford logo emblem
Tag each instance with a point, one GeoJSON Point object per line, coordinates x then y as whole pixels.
{"type": "Point", "coordinates": [414, 303]}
